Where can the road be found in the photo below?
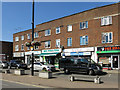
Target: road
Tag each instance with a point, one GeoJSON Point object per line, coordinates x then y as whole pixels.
{"type": "Point", "coordinates": [12, 84]}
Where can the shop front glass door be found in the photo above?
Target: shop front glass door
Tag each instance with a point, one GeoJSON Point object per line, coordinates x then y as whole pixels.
{"type": "Point", "coordinates": [115, 61]}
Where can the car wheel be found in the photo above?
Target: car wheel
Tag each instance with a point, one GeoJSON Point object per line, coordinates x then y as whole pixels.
{"type": "Point", "coordinates": [91, 72]}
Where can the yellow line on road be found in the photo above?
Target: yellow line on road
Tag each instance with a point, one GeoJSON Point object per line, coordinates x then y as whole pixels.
{"type": "Point", "coordinates": [27, 84]}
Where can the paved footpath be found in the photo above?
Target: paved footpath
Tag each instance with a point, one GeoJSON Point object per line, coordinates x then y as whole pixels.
{"type": "Point", "coordinates": [54, 82]}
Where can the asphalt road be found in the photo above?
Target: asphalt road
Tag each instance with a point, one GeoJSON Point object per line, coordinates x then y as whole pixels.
{"type": "Point", "coordinates": [12, 84]}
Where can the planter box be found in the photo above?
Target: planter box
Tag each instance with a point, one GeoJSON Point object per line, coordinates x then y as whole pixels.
{"type": "Point", "coordinates": [19, 72]}
{"type": "Point", "coordinates": [45, 74]}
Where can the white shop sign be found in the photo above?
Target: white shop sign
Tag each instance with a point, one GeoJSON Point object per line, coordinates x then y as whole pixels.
{"type": "Point", "coordinates": [88, 49]}
{"type": "Point", "coordinates": [30, 52]}
{"type": "Point", "coordinates": [16, 54]}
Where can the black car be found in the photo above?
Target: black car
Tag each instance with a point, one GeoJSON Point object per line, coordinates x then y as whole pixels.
{"type": "Point", "coordinates": [79, 65]}
{"type": "Point", "coordinates": [17, 64]}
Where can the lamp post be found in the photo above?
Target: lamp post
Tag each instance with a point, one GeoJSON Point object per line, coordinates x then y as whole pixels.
{"type": "Point", "coordinates": [32, 70]}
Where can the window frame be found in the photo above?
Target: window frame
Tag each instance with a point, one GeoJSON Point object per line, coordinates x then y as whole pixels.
{"type": "Point", "coordinates": [70, 42]}
{"type": "Point", "coordinates": [84, 40]}
{"type": "Point", "coordinates": [22, 37]}
{"type": "Point", "coordinates": [47, 45]}
{"type": "Point", "coordinates": [104, 39]}
{"type": "Point", "coordinates": [36, 35]}
{"type": "Point", "coordinates": [16, 47]}
{"type": "Point", "coordinates": [56, 30]}
{"type": "Point", "coordinates": [57, 43]}
{"type": "Point", "coordinates": [83, 25]}
{"type": "Point", "coordinates": [68, 27]}
{"type": "Point", "coordinates": [28, 35]}
{"type": "Point", "coordinates": [106, 20]}
{"type": "Point", "coordinates": [16, 39]}
{"type": "Point", "coordinates": [22, 48]}
{"type": "Point", "coordinates": [47, 32]}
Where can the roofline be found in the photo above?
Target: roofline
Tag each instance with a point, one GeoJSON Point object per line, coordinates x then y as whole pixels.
{"type": "Point", "coordinates": [22, 31]}
{"type": "Point", "coordinates": [7, 41]}
{"type": "Point", "coordinates": [78, 13]}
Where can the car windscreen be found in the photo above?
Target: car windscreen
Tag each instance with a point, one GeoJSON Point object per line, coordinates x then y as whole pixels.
{"type": "Point", "coordinates": [19, 62]}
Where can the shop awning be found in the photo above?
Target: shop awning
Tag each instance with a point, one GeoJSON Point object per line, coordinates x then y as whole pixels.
{"type": "Point", "coordinates": [49, 54]}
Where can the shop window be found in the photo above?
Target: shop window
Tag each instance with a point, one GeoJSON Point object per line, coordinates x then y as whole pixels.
{"type": "Point", "coordinates": [83, 40]}
{"type": "Point", "coordinates": [57, 30]}
{"type": "Point", "coordinates": [69, 28]}
{"type": "Point", "coordinates": [69, 41]}
{"type": "Point", "coordinates": [107, 37]}
{"type": "Point", "coordinates": [105, 61]}
{"type": "Point", "coordinates": [28, 36]}
{"type": "Point", "coordinates": [47, 44]}
{"type": "Point", "coordinates": [57, 42]}
{"type": "Point", "coordinates": [107, 20]}
{"type": "Point", "coordinates": [47, 32]}
{"type": "Point", "coordinates": [16, 48]}
{"type": "Point", "coordinates": [22, 37]}
{"type": "Point", "coordinates": [16, 39]}
{"type": "Point", "coordinates": [83, 25]}
{"type": "Point", "coordinates": [28, 48]}
{"type": "Point", "coordinates": [36, 47]}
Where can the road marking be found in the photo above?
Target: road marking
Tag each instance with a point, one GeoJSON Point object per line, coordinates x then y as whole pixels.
{"type": "Point", "coordinates": [109, 75]}
{"type": "Point", "coordinates": [27, 84]}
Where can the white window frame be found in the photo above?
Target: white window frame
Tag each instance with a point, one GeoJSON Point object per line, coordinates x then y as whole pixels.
{"type": "Point", "coordinates": [57, 28]}
{"type": "Point", "coordinates": [16, 47]}
{"type": "Point", "coordinates": [58, 42]}
{"type": "Point", "coordinates": [69, 28]}
{"type": "Point", "coordinates": [16, 39]}
{"type": "Point", "coordinates": [22, 37]}
{"type": "Point", "coordinates": [84, 40]}
{"type": "Point", "coordinates": [83, 25]}
{"type": "Point", "coordinates": [107, 34]}
{"type": "Point", "coordinates": [36, 35]}
{"type": "Point", "coordinates": [46, 32]}
{"type": "Point", "coordinates": [106, 20]}
{"type": "Point", "coordinates": [28, 48]}
{"type": "Point", "coordinates": [69, 44]}
{"type": "Point", "coordinates": [22, 47]}
{"type": "Point", "coordinates": [28, 36]}
{"type": "Point", "coordinates": [46, 44]}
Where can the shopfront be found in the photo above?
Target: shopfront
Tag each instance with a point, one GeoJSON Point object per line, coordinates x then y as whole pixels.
{"type": "Point", "coordinates": [78, 52]}
{"type": "Point", "coordinates": [28, 56]}
{"type": "Point", "coordinates": [19, 56]}
{"type": "Point", "coordinates": [51, 56]}
{"type": "Point", "coordinates": [109, 57]}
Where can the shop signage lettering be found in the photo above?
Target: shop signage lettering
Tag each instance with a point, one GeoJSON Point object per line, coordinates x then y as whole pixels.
{"type": "Point", "coordinates": [108, 48]}
{"type": "Point", "coordinates": [51, 50]}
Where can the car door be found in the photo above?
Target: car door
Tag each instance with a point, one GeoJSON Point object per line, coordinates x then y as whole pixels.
{"type": "Point", "coordinates": [84, 65]}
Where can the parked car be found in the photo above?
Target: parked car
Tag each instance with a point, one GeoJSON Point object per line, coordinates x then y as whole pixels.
{"type": "Point", "coordinates": [4, 64]}
{"type": "Point", "coordinates": [41, 66]}
{"type": "Point", "coordinates": [79, 65]}
{"type": "Point", "coordinates": [17, 64]}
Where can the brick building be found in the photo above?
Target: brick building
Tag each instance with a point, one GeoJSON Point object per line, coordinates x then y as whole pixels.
{"type": "Point", "coordinates": [6, 50]}
{"type": "Point", "coordinates": [93, 34]}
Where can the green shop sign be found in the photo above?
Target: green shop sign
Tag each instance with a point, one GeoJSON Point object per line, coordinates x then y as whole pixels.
{"type": "Point", "coordinates": [114, 51]}
{"type": "Point", "coordinates": [51, 50]}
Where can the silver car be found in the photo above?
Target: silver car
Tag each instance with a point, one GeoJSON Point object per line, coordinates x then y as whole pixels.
{"type": "Point", "coordinates": [4, 64]}
{"type": "Point", "coordinates": [41, 66]}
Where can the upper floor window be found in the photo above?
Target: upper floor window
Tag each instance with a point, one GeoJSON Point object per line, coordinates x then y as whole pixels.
{"type": "Point", "coordinates": [69, 28]}
{"type": "Point", "coordinates": [47, 44]}
{"type": "Point", "coordinates": [28, 48]}
{"type": "Point", "coordinates": [22, 47]}
{"type": "Point", "coordinates": [83, 25]}
{"type": "Point", "coordinates": [57, 42]}
{"type": "Point", "coordinates": [83, 40]}
{"type": "Point", "coordinates": [16, 38]}
{"type": "Point", "coordinates": [57, 30]}
{"type": "Point", "coordinates": [69, 41]}
{"type": "Point", "coordinates": [107, 37]}
{"type": "Point", "coordinates": [107, 20]}
{"type": "Point", "coordinates": [47, 32]}
{"type": "Point", "coordinates": [35, 34]}
{"type": "Point", "coordinates": [28, 36]}
{"type": "Point", "coordinates": [36, 47]}
{"type": "Point", "coordinates": [22, 37]}
{"type": "Point", "coordinates": [16, 48]}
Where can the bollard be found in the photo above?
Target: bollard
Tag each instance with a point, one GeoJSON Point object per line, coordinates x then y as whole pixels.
{"type": "Point", "coordinates": [71, 78]}
{"type": "Point", "coordinates": [7, 71]}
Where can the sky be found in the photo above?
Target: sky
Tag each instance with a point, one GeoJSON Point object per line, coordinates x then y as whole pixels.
{"type": "Point", "coordinates": [17, 16]}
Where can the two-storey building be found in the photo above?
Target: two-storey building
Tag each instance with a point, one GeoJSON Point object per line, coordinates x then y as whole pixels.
{"type": "Point", "coordinates": [92, 34]}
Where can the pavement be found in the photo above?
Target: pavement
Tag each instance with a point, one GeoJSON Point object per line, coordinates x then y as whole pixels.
{"type": "Point", "coordinates": [111, 71]}
{"type": "Point", "coordinates": [56, 82]}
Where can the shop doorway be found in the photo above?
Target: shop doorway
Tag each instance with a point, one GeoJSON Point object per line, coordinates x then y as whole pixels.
{"type": "Point", "coordinates": [115, 62]}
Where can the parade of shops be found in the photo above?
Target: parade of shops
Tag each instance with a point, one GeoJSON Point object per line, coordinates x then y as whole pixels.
{"type": "Point", "coordinates": [91, 34]}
